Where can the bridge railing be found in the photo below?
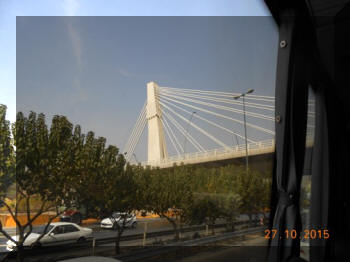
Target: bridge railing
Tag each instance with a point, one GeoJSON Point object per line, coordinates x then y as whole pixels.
{"type": "Point", "coordinates": [254, 148]}
{"type": "Point", "coordinates": [221, 153]}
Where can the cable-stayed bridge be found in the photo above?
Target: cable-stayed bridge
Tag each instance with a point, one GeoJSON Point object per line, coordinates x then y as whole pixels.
{"type": "Point", "coordinates": [175, 119]}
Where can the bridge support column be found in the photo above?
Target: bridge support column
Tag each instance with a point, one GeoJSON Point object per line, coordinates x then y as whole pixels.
{"type": "Point", "coordinates": [157, 149]}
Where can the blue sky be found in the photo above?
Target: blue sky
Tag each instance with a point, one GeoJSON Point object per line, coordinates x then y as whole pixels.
{"type": "Point", "coordinates": [95, 69]}
{"type": "Point", "coordinates": [10, 9]}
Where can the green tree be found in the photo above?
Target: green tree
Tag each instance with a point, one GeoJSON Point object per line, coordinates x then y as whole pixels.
{"type": "Point", "coordinates": [89, 169]}
{"type": "Point", "coordinates": [168, 193]}
{"type": "Point", "coordinates": [43, 166]}
{"type": "Point", "coordinates": [230, 205]}
{"type": "Point", "coordinates": [7, 156]}
{"type": "Point", "coordinates": [205, 208]}
{"type": "Point", "coordinates": [120, 191]}
{"type": "Point", "coordinates": [232, 189]}
{"type": "Point", "coordinates": [254, 189]}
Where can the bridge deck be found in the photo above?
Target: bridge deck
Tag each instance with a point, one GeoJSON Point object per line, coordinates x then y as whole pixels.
{"type": "Point", "coordinates": [257, 148]}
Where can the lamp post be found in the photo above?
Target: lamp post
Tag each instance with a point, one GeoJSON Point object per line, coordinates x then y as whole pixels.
{"type": "Point", "coordinates": [187, 131]}
{"type": "Point", "coordinates": [245, 124]}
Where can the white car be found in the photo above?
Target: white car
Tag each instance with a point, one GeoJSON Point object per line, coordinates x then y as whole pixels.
{"type": "Point", "coordinates": [118, 218]}
{"type": "Point", "coordinates": [58, 233]}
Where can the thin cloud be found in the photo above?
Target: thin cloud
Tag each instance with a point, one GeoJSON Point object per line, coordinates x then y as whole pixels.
{"type": "Point", "coordinates": [70, 7]}
{"type": "Point", "coordinates": [76, 42]}
{"type": "Point", "coordinates": [79, 93]}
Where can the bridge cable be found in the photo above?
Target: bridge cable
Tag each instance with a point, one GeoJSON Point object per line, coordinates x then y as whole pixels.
{"type": "Point", "coordinates": [136, 132]}
{"type": "Point", "coordinates": [197, 127]}
{"type": "Point", "coordinates": [228, 101]}
{"type": "Point", "coordinates": [269, 99]}
{"type": "Point", "coordinates": [171, 139]}
{"type": "Point", "coordinates": [224, 100]}
{"type": "Point", "coordinates": [210, 122]}
{"type": "Point", "coordinates": [212, 92]}
{"type": "Point", "coordinates": [140, 131]}
{"type": "Point", "coordinates": [238, 111]}
{"type": "Point", "coordinates": [176, 140]}
{"type": "Point", "coordinates": [137, 123]}
{"type": "Point", "coordinates": [182, 130]}
{"type": "Point", "coordinates": [223, 116]}
{"type": "Point", "coordinates": [136, 137]}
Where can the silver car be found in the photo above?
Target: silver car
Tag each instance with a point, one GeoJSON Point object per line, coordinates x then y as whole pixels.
{"type": "Point", "coordinates": [58, 233]}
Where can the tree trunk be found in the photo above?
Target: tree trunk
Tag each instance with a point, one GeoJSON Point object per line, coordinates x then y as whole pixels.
{"type": "Point", "coordinates": [213, 228]}
{"type": "Point", "coordinates": [250, 220]}
{"type": "Point", "coordinates": [20, 253]}
{"type": "Point", "coordinates": [212, 223]}
{"type": "Point", "coordinates": [173, 223]}
{"type": "Point", "coordinates": [264, 218]}
{"type": "Point", "coordinates": [176, 231]}
{"type": "Point", "coordinates": [180, 226]}
{"type": "Point", "coordinates": [232, 224]}
{"type": "Point", "coordinates": [86, 204]}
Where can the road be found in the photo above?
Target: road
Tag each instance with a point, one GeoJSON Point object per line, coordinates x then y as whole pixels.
{"type": "Point", "coordinates": [153, 224]}
{"type": "Point", "coordinates": [58, 254]}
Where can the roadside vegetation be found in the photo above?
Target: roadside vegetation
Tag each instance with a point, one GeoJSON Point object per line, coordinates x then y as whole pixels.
{"type": "Point", "coordinates": [53, 169]}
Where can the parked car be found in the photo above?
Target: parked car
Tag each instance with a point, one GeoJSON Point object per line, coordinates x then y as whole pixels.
{"type": "Point", "coordinates": [71, 215]}
{"type": "Point", "coordinates": [117, 218]}
{"type": "Point", "coordinates": [58, 233]}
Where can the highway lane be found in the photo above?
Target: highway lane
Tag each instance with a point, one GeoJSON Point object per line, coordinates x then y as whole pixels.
{"type": "Point", "coordinates": [108, 249]}
{"type": "Point", "coordinates": [153, 225]}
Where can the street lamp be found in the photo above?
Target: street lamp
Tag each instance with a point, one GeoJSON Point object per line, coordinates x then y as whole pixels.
{"type": "Point", "coordinates": [187, 131]}
{"type": "Point", "coordinates": [245, 124]}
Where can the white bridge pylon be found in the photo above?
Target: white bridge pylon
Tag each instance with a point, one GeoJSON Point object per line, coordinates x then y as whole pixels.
{"type": "Point", "coordinates": [166, 108]}
{"type": "Point", "coordinates": [156, 140]}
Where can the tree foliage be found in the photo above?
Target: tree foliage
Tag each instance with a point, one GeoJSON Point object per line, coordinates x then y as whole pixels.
{"type": "Point", "coordinates": [120, 194]}
{"type": "Point", "coordinates": [198, 194]}
{"type": "Point", "coordinates": [60, 167]}
{"type": "Point", "coordinates": [166, 192]}
{"type": "Point", "coordinates": [7, 157]}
